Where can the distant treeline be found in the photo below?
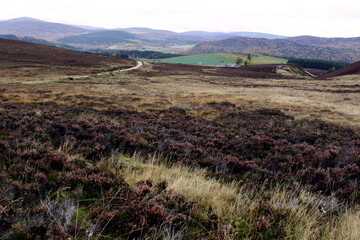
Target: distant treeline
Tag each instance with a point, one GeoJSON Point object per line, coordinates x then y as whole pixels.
{"type": "Point", "coordinates": [318, 64]}
{"type": "Point", "coordinates": [136, 54]}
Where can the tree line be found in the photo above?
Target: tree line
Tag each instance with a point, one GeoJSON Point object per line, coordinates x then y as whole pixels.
{"type": "Point", "coordinates": [318, 63]}
{"type": "Point", "coordinates": [136, 54]}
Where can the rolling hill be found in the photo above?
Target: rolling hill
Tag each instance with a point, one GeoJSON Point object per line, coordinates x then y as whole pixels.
{"type": "Point", "coordinates": [343, 49]}
{"type": "Point", "coordinates": [36, 40]}
{"type": "Point", "coordinates": [35, 28]}
{"type": "Point", "coordinates": [353, 68]}
{"type": "Point", "coordinates": [276, 47]}
{"type": "Point", "coordinates": [327, 42]}
{"type": "Point", "coordinates": [29, 60]}
{"type": "Point", "coordinates": [100, 38]}
{"type": "Point", "coordinates": [19, 51]}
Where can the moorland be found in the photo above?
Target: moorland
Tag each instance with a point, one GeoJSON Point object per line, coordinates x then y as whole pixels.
{"type": "Point", "coordinates": [175, 151]}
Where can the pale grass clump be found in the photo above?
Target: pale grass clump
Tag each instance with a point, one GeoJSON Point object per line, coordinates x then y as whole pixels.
{"type": "Point", "coordinates": [347, 227]}
{"type": "Point", "coordinates": [312, 216]}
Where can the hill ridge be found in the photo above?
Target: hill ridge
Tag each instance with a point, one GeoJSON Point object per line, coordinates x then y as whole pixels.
{"type": "Point", "coordinates": [276, 47]}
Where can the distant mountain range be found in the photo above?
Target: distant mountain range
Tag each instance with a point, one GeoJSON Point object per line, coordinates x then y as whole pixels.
{"type": "Point", "coordinates": [85, 37]}
{"type": "Point", "coordinates": [36, 28]}
{"type": "Point", "coordinates": [30, 27]}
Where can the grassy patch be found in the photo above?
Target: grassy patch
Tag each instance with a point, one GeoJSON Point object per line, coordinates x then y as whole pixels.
{"type": "Point", "coordinates": [262, 213]}
{"type": "Point", "coordinates": [218, 58]}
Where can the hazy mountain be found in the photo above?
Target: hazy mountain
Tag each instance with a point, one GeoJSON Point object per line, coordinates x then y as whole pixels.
{"type": "Point", "coordinates": [25, 19]}
{"type": "Point", "coordinates": [327, 42]}
{"type": "Point", "coordinates": [100, 38]}
{"type": "Point", "coordinates": [276, 47]}
{"type": "Point", "coordinates": [153, 34]}
{"type": "Point", "coordinates": [31, 27]}
{"type": "Point", "coordinates": [235, 34]}
{"type": "Point", "coordinates": [88, 27]}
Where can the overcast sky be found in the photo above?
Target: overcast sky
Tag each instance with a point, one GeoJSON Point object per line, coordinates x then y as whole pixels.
{"type": "Point", "coordinates": [325, 18]}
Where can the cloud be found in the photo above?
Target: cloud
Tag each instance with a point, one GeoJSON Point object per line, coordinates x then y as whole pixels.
{"type": "Point", "coordinates": [322, 18]}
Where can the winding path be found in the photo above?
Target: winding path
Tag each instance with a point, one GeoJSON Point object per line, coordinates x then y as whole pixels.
{"type": "Point", "coordinates": [139, 64]}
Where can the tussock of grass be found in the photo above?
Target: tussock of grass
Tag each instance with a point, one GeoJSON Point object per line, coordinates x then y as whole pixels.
{"type": "Point", "coordinates": [301, 214]}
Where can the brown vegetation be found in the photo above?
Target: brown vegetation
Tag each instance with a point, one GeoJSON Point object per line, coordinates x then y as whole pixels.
{"type": "Point", "coordinates": [22, 59]}
{"type": "Point", "coordinates": [349, 70]}
{"type": "Point", "coordinates": [222, 155]}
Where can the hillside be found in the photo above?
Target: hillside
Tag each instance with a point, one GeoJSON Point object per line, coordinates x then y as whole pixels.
{"type": "Point", "coordinates": [327, 42]}
{"type": "Point", "coordinates": [100, 38]}
{"type": "Point", "coordinates": [18, 51]}
{"type": "Point", "coordinates": [36, 40]}
{"type": "Point", "coordinates": [349, 70]}
{"type": "Point", "coordinates": [18, 58]}
{"type": "Point", "coordinates": [276, 47]}
{"type": "Point", "coordinates": [38, 29]}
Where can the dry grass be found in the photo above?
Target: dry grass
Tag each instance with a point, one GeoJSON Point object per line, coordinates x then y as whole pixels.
{"type": "Point", "coordinates": [336, 100]}
{"type": "Point", "coordinates": [312, 216]}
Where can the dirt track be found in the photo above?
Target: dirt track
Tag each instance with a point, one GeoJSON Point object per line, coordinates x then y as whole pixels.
{"type": "Point", "coordinates": [139, 64]}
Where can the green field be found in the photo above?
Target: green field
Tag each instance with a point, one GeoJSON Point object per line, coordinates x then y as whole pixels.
{"type": "Point", "coordinates": [218, 58]}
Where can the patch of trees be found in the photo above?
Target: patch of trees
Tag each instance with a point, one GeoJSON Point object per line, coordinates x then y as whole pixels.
{"type": "Point", "coordinates": [318, 63]}
{"type": "Point", "coordinates": [136, 54]}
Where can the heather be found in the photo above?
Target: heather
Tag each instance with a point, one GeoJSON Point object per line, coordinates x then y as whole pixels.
{"type": "Point", "coordinates": [62, 174]}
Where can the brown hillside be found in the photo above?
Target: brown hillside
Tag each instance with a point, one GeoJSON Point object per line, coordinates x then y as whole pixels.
{"type": "Point", "coordinates": [19, 51]}
{"type": "Point", "coordinates": [19, 59]}
{"type": "Point", "coordinates": [351, 69]}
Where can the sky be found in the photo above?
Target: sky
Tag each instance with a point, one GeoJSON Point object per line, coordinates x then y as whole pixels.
{"type": "Point", "coordinates": [324, 18]}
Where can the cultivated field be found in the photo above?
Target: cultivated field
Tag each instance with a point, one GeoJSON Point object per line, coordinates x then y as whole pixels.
{"type": "Point", "coordinates": [172, 151]}
{"type": "Point", "coordinates": [218, 58]}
